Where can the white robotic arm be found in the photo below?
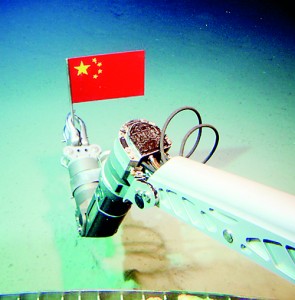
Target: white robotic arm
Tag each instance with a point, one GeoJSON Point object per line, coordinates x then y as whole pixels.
{"type": "Point", "coordinates": [252, 219]}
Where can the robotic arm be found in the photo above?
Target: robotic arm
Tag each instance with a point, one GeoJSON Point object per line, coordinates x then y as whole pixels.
{"type": "Point", "coordinates": [253, 219]}
{"type": "Point", "coordinates": [100, 181]}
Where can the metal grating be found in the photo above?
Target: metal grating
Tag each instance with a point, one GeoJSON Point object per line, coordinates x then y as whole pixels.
{"type": "Point", "coordinates": [119, 295]}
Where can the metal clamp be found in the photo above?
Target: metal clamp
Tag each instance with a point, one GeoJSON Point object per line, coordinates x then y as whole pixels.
{"type": "Point", "coordinates": [72, 135]}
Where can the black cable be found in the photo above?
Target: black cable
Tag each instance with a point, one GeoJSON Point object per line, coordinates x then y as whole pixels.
{"type": "Point", "coordinates": [198, 127]}
{"type": "Point", "coordinates": [184, 140]}
{"type": "Point", "coordinates": [163, 132]}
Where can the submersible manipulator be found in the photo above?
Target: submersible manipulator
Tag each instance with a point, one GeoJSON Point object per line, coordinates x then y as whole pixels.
{"type": "Point", "coordinates": [251, 218]}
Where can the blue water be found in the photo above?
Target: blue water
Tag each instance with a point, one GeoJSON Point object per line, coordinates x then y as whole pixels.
{"type": "Point", "coordinates": [232, 60]}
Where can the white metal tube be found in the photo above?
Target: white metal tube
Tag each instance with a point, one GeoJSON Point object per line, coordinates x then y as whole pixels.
{"type": "Point", "coordinates": [237, 195]}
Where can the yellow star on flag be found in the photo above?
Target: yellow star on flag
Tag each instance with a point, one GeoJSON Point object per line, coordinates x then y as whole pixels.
{"type": "Point", "coordinates": [82, 69]}
{"type": "Point", "coordinates": [99, 77]}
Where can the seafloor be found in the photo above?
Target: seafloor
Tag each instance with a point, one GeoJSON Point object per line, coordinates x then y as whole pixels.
{"type": "Point", "coordinates": [232, 60]}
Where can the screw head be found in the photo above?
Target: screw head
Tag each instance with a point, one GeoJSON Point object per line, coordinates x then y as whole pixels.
{"type": "Point", "coordinates": [228, 236]}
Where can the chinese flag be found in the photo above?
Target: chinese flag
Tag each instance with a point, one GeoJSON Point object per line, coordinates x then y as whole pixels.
{"type": "Point", "coordinates": [106, 76]}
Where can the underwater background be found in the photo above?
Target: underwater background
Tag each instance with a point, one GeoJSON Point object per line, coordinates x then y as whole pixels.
{"type": "Point", "coordinates": [232, 60]}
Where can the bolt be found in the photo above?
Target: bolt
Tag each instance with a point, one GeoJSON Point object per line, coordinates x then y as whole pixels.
{"type": "Point", "coordinates": [228, 236]}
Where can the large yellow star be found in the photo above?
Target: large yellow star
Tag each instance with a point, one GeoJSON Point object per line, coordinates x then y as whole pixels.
{"type": "Point", "coordinates": [82, 69]}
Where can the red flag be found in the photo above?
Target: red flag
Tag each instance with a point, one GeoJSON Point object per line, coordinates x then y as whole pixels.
{"type": "Point", "coordinates": [106, 76]}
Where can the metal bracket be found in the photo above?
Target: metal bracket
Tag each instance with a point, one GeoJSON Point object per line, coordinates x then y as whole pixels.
{"type": "Point", "coordinates": [142, 194]}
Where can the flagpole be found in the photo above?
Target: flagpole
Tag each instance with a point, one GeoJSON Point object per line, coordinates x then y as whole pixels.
{"type": "Point", "coordinates": [70, 97]}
